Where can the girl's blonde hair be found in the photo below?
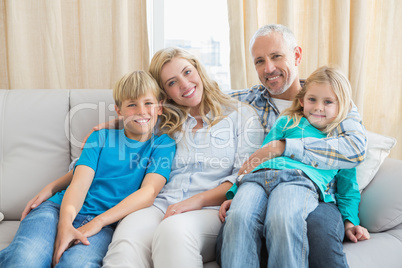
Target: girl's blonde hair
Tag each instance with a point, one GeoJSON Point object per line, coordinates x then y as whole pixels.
{"type": "Point", "coordinates": [134, 85]}
{"type": "Point", "coordinates": [339, 84]}
{"type": "Point", "coordinates": [212, 98]}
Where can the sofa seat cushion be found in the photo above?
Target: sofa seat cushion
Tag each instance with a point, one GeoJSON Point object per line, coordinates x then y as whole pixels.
{"type": "Point", "coordinates": [7, 232]}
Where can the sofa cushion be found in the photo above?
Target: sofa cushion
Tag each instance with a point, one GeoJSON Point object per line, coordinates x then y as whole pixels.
{"type": "Point", "coordinates": [378, 148]}
{"type": "Point", "coordinates": [381, 201]}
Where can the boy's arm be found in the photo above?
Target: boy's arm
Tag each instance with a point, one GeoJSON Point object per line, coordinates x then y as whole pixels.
{"type": "Point", "coordinates": [47, 192]}
{"type": "Point", "coordinates": [345, 149]}
{"type": "Point", "coordinates": [70, 206]}
{"type": "Point", "coordinates": [142, 198]}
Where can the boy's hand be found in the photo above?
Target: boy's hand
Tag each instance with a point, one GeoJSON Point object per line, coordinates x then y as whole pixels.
{"type": "Point", "coordinates": [91, 228]}
{"type": "Point", "coordinates": [223, 209]}
{"type": "Point", "coordinates": [67, 235]}
{"type": "Point", "coordinates": [42, 196]}
{"type": "Point", "coordinates": [356, 233]}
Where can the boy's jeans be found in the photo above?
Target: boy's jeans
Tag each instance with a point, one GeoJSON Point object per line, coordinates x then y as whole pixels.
{"type": "Point", "coordinates": [273, 204]}
{"type": "Point", "coordinates": [33, 243]}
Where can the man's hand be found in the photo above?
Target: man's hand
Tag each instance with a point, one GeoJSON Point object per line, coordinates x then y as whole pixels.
{"type": "Point", "coordinates": [356, 233]}
{"type": "Point", "coordinates": [223, 209]}
{"type": "Point", "coordinates": [67, 235]}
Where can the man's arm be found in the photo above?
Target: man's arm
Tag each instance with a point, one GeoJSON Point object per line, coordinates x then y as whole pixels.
{"type": "Point", "coordinates": [346, 149]}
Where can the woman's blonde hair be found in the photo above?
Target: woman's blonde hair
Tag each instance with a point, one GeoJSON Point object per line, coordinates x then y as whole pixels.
{"type": "Point", "coordinates": [134, 85]}
{"type": "Point", "coordinates": [213, 99]}
{"type": "Point", "coordinates": [339, 84]}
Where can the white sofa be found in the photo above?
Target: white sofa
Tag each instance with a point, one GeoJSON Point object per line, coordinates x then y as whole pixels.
{"type": "Point", "coordinates": [41, 132]}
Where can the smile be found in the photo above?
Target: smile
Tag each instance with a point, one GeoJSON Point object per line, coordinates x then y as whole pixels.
{"type": "Point", "coordinates": [188, 93]}
{"type": "Point", "coordinates": [142, 121]}
{"type": "Point", "coordinates": [272, 78]}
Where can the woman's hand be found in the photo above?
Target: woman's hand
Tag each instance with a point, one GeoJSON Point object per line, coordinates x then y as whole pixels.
{"type": "Point", "coordinates": [223, 209]}
{"type": "Point", "coordinates": [42, 196]}
{"type": "Point", "coordinates": [67, 235]}
{"type": "Point", "coordinates": [113, 124]}
{"type": "Point", "coordinates": [192, 203]}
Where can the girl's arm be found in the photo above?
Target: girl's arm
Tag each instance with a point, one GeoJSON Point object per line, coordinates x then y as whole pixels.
{"type": "Point", "coordinates": [70, 206]}
{"type": "Point", "coordinates": [355, 233]}
{"type": "Point", "coordinates": [47, 192]}
{"type": "Point", "coordinates": [142, 198]}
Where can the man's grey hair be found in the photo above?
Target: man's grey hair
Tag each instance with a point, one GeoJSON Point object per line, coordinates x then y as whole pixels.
{"type": "Point", "coordinates": [286, 33]}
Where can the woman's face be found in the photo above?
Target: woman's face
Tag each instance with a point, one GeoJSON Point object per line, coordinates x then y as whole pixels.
{"type": "Point", "coordinates": [182, 83]}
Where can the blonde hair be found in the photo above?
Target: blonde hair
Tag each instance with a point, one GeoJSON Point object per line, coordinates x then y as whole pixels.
{"type": "Point", "coordinates": [212, 98]}
{"type": "Point", "coordinates": [134, 85]}
{"type": "Point", "coordinates": [339, 84]}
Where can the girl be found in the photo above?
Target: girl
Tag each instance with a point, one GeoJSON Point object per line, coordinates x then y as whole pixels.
{"type": "Point", "coordinates": [285, 191]}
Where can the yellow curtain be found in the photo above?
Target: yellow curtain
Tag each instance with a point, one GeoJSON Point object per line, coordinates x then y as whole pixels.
{"type": "Point", "coordinates": [55, 44]}
{"type": "Point", "coordinates": [362, 37]}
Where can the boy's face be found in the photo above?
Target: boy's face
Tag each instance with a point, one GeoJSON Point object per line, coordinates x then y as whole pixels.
{"type": "Point", "coordinates": [140, 116]}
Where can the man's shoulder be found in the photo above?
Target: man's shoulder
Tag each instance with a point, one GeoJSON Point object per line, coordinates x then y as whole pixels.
{"type": "Point", "coordinates": [247, 95]}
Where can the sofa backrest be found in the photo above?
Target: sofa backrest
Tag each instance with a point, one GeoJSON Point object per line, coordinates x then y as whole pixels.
{"type": "Point", "coordinates": [40, 133]}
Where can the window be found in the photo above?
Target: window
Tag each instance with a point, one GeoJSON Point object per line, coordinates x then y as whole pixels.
{"type": "Point", "coordinates": [201, 27]}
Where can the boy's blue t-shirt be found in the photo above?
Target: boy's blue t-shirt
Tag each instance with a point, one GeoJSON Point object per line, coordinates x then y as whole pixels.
{"type": "Point", "coordinates": [120, 165]}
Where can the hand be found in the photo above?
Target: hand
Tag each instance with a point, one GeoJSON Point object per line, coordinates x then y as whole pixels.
{"type": "Point", "coordinates": [91, 228]}
{"type": "Point", "coordinates": [223, 209]}
{"type": "Point", "coordinates": [67, 235]}
{"type": "Point", "coordinates": [113, 124]}
{"type": "Point", "coordinates": [189, 204]}
{"type": "Point", "coordinates": [42, 196]}
{"type": "Point", "coordinates": [268, 151]}
{"type": "Point", "coordinates": [356, 233]}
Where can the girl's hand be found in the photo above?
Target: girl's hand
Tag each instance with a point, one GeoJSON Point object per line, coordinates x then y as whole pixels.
{"type": "Point", "coordinates": [268, 151]}
{"type": "Point", "coordinates": [223, 209]}
{"type": "Point", "coordinates": [192, 203]}
{"type": "Point", "coordinates": [67, 235]}
{"type": "Point", "coordinates": [356, 233]}
{"type": "Point", "coordinates": [42, 196]}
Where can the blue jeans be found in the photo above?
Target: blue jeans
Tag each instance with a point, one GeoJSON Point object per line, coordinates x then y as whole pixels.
{"type": "Point", "coordinates": [33, 243]}
{"type": "Point", "coordinates": [273, 204]}
{"type": "Point", "coordinates": [325, 232]}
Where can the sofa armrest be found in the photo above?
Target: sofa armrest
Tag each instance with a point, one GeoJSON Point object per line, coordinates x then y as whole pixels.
{"type": "Point", "coordinates": [381, 200]}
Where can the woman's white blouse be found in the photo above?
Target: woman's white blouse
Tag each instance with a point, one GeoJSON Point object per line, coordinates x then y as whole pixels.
{"type": "Point", "coordinates": [209, 157]}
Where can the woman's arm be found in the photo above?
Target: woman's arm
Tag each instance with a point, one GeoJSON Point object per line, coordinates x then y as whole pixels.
{"type": "Point", "coordinates": [112, 124]}
{"type": "Point", "coordinates": [47, 192]}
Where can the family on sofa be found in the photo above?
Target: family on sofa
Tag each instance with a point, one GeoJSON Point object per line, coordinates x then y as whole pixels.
{"type": "Point", "coordinates": [173, 220]}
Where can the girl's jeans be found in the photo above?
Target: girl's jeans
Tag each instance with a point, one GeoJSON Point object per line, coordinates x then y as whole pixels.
{"type": "Point", "coordinates": [273, 204]}
{"type": "Point", "coordinates": [33, 243]}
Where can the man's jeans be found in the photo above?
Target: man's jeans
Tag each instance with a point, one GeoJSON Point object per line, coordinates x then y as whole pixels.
{"type": "Point", "coordinates": [275, 204]}
{"type": "Point", "coordinates": [325, 237]}
{"type": "Point", "coordinates": [33, 243]}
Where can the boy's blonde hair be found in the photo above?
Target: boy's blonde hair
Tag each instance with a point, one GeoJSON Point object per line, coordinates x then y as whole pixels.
{"type": "Point", "coordinates": [213, 99]}
{"type": "Point", "coordinates": [134, 85]}
{"type": "Point", "coordinates": [339, 84]}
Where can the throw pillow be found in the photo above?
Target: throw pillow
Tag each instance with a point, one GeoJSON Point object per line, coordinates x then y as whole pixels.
{"type": "Point", "coordinates": [378, 148]}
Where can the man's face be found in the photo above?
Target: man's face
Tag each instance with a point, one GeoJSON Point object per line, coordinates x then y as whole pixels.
{"type": "Point", "coordinates": [276, 65]}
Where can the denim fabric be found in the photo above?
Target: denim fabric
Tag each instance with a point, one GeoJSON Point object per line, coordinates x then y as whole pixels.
{"type": "Point", "coordinates": [273, 204]}
{"type": "Point", "coordinates": [33, 243]}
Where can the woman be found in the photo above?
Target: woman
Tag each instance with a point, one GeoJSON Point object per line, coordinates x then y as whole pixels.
{"type": "Point", "coordinates": [215, 134]}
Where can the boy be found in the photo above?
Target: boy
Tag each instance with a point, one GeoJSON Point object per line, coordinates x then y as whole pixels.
{"type": "Point", "coordinates": [119, 172]}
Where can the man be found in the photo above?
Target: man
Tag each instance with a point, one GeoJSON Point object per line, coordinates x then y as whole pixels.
{"type": "Point", "coordinates": [276, 57]}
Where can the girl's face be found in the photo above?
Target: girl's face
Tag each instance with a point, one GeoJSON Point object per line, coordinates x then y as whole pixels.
{"type": "Point", "coordinates": [320, 105]}
{"type": "Point", "coordinates": [182, 83]}
{"type": "Point", "coordinates": [140, 116]}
